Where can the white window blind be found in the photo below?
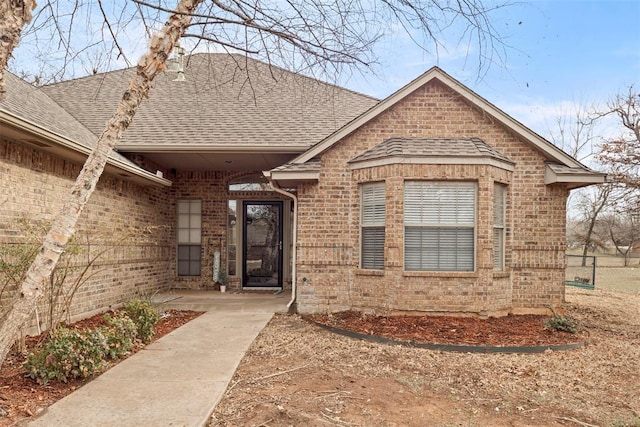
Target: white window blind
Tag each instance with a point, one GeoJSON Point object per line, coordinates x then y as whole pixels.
{"type": "Point", "coordinates": [372, 225]}
{"type": "Point", "coordinates": [439, 222]}
{"type": "Point", "coordinates": [189, 237]}
{"type": "Point", "coordinates": [499, 207]}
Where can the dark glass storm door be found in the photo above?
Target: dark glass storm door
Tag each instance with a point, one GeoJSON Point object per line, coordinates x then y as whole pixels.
{"type": "Point", "coordinates": [262, 245]}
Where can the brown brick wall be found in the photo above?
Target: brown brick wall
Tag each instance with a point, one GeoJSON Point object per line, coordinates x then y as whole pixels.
{"type": "Point", "coordinates": [329, 220]}
{"type": "Point", "coordinates": [34, 184]}
{"type": "Point", "coordinates": [212, 188]}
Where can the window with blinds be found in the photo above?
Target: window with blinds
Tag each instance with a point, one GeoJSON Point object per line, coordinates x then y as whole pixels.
{"type": "Point", "coordinates": [439, 220]}
{"type": "Point", "coordinates": [189, 237]}
{"type": "Point", "coordinates": [499, 208]}
{"type": "Point", "coordinates": [372, 222]}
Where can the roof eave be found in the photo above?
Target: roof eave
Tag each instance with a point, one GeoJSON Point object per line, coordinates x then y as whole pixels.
{"type": "Point", "coordinates": [433, 160]}
{"type": "Point", "coordinates": [292, 178]}
{"type": "Point", "coordinates": [210, 148]}
{"type": "Point", "coordinates": [574, 180]}
{"type": "Point", "coordinates": [36, 130]}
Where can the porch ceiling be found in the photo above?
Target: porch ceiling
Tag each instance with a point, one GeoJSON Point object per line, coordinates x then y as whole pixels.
{"type": "Point", "coordinates": [254, 161]}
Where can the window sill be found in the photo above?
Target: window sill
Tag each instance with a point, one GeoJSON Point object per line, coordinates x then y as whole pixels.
{"type": "Point", "coordinates": [458, 274]}
{"type": "Point", "coordinates": [501, 274]}
{"type": "Point", "coordinates": [363, 272]}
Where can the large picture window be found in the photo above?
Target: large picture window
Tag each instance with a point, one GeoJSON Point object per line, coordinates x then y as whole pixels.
{"type": "Point", "coordinates": [372, 225]}
{"type": "Point", "coordinates": [439, 219]}
{"type": "Point", "coordinates": [499, 206]}
{"type": "Point", "coordinates": [189, 237]}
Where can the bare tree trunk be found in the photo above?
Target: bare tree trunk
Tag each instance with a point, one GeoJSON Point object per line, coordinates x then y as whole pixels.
{"type": "Point", "coordinates": [63, 227]}
{"type": "Point", "coordinates": [14, 15]}
{"type": "Point", "coordinates": [602, 199]}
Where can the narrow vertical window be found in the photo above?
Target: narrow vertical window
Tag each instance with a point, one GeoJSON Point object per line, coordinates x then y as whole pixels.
{"type": "Point", "coordinates": [372, 222]}
{"type": "Point", "coordinates": [439, 223]}
{"type": "Point", "coordinates": [232, 237]}
{"type": "Point", "coordinates": [189, 237]}
{"type": "Point", "coordinates": [499, 207]}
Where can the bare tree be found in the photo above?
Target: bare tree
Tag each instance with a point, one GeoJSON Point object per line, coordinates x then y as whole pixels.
{"type": "Point", "coordinates": [63, 226]}
{"type": "Point", "coordinates": [622, 154]}
{"type": "Point", "coordinates": [590, 205]}
{"type": "Point", "coordinates": [576, 133]}
{"type": "Point", "coordinates": [300, 34]}
{"type": "Point", "coordinates": [624, 231]}
{"type": "Point", "coordinates": [321, 37]}
{"type": "Point", "coordinates": [14, 15]}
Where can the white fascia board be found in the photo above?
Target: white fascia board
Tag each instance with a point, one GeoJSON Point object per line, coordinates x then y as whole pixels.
{"type": "Point", "coordinates": [62, 141]}
{"type": "Point", "coordinates": [285, 175]}
{"type": "Point", "coordinates": [584, 178]}
{"type": "Point", "coordinates": [433, 160]}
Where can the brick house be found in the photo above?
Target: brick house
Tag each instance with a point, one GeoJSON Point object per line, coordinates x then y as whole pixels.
{"type": "Point", "coordinates": [432, 200]}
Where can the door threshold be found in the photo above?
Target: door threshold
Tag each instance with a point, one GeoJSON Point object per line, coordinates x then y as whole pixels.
{"type": "Point", "coordinates": [262, 288]}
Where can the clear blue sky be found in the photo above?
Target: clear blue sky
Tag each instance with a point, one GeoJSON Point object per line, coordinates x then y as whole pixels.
{"type": "Point", "coordinates": [561, 53]}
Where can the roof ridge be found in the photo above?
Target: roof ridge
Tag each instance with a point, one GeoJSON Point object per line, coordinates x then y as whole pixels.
{"type": "Point", "coordinates": [220, 54]}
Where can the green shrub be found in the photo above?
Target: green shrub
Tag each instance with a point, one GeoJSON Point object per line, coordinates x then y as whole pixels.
{"type": "Point", "coordinates": [121, 333]}
{"type": "Point", "coordinates": [145, 317]}
{"type": "Point", "coordinates": [68, 353]}
{"type": "Point", "coordinates": [561, 323]}
{"type": "Point", "coordinates": [71, 353]}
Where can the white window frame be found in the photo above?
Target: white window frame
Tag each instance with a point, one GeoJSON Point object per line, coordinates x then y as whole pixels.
{"type": "Point", "coordinates": [442, 213]}
{"type": "Point", "coordinates": [189, 238]}
{"type": "Point", "coordinates": [499, 225]}
{"type": "Point", "coordinates": [372, 225]}
{"type": "Point", "coordinates": [233, 237]}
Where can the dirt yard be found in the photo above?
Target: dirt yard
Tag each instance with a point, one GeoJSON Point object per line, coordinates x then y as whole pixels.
{"type": "Point", "coordinates": [297, 374]}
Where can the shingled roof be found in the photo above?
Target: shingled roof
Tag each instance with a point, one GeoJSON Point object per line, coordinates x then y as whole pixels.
{"type": "Point", "coordinates": [28, 102]}
{"type": "Point", "coordinates": [225, 100]}
{"type": "Point", "coordinates": [28, 110]}
{"type": "Point", "coordinates": [431, 147]}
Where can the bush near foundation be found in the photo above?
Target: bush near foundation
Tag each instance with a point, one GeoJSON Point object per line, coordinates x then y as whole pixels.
{"type": "Point", "coordinates": [72, 353]}
{"type": "Point", "coordinates": [561, 323]}
{"type": "Point", "coordinates": [68, 353]}
{"type": "Point", "coordinates": [145, 316]}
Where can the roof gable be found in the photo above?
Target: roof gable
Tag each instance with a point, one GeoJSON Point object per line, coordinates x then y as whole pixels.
{"type": "Point", "coordinates": [551, 152]}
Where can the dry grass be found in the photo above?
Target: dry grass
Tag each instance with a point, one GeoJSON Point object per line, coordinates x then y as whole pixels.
{"type": "Point", "coordinates": [620, 279]}
{"type": "Point", "coordinates": [297, 374]}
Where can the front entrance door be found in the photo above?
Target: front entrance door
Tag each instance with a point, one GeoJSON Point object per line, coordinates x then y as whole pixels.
{"type": "Point", "coordinates": [262, 245]}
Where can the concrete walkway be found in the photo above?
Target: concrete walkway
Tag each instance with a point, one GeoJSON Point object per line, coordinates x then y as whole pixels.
{"type": "Point", "coordinates": [179, 379]}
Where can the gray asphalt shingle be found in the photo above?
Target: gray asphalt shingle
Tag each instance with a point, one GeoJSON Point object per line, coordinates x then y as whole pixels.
{"type": "Point", "coordinates": [225, 100]}
{"type": "Point", "coordinates": [431, 147]}
{"type": "Point", "coordinates": [31, 104]}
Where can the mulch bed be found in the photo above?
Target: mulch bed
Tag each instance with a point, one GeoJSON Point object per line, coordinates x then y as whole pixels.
{"type": "Point", "coordinates": [511, 330]}
{"type": "Point", "coordinates": [22, 397]}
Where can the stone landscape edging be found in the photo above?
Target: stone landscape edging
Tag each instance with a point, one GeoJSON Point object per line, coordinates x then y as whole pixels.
{"type": "Point", "coordinates": [455, 347]}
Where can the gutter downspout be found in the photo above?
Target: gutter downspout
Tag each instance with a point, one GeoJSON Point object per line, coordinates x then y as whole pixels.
{"type": "Point", "coordinates": [294, 238]}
